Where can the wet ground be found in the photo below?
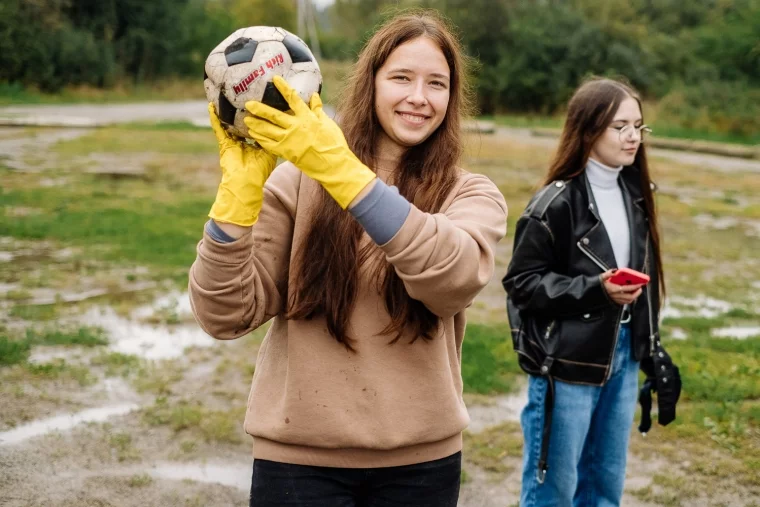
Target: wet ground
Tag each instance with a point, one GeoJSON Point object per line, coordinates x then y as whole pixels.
{"type": "Point", "coordinates": [154, 417]}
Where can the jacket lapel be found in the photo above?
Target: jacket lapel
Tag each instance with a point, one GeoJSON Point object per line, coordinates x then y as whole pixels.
{"type": "Point", "coordinates": [637, 217]}
{"type": "Point", "coordinates": [596, 240]}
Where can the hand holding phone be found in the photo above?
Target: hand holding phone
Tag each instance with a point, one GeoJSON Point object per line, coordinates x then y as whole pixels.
{"type": "Point", "coordinates": [627, 276]}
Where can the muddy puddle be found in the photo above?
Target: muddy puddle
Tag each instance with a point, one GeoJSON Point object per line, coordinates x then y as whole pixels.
{"type": "Point", "coordinates": [737, 332]}
{"type": "Point", "coordinates": [63, 422]}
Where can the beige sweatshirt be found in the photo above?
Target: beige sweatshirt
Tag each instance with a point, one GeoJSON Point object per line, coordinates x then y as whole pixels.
{"type": "Point", "coordinates": [312, 402]}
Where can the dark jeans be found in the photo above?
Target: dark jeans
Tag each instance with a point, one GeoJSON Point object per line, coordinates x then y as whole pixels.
{"type": "Point", "coordinates": [430, 484]}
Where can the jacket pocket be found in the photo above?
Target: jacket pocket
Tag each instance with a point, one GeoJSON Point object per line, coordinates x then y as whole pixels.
{"type": "Point", "coordinates": [591, 316]}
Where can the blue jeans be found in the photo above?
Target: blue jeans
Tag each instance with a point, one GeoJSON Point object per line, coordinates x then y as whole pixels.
{"type": "Point", "coordinates": [589, 436]}
{"type": "Point", "coordinates": [428, 484]}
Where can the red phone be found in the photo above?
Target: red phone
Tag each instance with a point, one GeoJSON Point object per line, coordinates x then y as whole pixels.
{"type": "Point", "coordinates": [625, 276]}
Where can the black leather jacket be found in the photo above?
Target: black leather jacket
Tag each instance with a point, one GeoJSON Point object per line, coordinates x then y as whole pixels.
{"type": "Point", "coordinates": [564, 324]}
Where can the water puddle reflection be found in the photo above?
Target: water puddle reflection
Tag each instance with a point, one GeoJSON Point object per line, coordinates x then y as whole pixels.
{"type": "Point", "coordinates": [150, 341]}
{"type": "Point", "coordinates": [63, 422]}
{"type": "Point", "coordinates": [737, 332]}
{"type": "Point", "coordinates": [706, 307]}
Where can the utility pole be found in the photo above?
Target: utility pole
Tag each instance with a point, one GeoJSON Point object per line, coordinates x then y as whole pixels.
{"type": "Point", "coordinates": [307, 26]}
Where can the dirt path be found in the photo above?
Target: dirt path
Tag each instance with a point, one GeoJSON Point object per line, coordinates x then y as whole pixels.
{"type": "Point", "coordinates": [195, 112]}
{"type": "Point", "coordinates": [104, 114]}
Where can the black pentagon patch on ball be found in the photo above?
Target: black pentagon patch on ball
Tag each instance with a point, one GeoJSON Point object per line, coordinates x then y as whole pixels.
{"type": "Point", "coordinates": [299, 52]}
{"type": "Point", "coordinates": [226, 110]}
{"type": "Point", "coordinates": [240, 51]}
{"type": "Point", "coordinates": [273, 98]}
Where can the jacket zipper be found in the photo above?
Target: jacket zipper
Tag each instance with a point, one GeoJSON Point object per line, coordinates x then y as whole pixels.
{"type": "Point", "coordinates": [649, 297]}
{"type": "Point", "coordinates": [620, 315]}
{"type": "Point", "coordinates": [549, 329]}
{"type": "Point", "coordinates": [592, 257]}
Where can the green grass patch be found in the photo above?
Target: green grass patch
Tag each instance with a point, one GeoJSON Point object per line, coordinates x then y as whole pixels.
{"type": "Point", "coordinates": [140, 481]}
{"type": "Point", "coordinates": [60, 370]}
{"type": "Point", "coordinates": [489, 449]}
{"type": "Point", "coordinates": [164, 126]}
{"type": "Point", "coordinates": [139, 222]}
{"type": "Point", "coordinates": [716, 369]}
{"type": "Point", "coordinates": [122, 447]}
{"type": "Point", "coordinates": [489, 364]}
{"type": "Point", "coordinates": [116, 363]}
{"type": "Point", "coordinates": [212, 425]}
{"type": "Point", "coordinates": [13, 351]}
{"type": "Point", "coordinates": [124, 91]}
{"type": "Point", "coordinates": [141, 138]}
{"type": "Point", "coordinates": [157, 378]}
{"type": "Point", "coordinates": [86, 336]}
{"type": "Point", "coordinates": [710, 375]}
{"type": "Point", "coordinates": [34, 313]}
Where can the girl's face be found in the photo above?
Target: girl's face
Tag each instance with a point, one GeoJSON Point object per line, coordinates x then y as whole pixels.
{"type": "Point", "coordinates": [621, 139]}
{"type": "Point", "coordinates": [412, 93]}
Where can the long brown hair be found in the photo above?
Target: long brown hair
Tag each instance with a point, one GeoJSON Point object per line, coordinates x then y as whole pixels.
{"type": "Point", "coordinates": [589, 113]}
{"type": "Point", "coordinates": [327, 267]}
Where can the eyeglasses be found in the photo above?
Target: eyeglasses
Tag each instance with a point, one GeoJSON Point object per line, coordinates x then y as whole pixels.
{"type": "Point", "coordinates": [628, 131]}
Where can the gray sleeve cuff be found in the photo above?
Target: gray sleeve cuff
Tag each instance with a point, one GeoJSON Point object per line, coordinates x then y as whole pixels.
{"type": "Point", "coordinates": [381, 212]}
{"type": "Point", "coordinates": [217, 234]}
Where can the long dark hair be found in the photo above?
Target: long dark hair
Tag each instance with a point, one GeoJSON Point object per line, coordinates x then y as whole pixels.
{"type": "Point", "coordinates": [589, 113]}
{"type": "Point", "coordinates": [326, 269]}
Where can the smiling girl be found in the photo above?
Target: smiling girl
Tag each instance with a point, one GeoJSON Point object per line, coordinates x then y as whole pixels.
{"type": "Point", "coordinates": [364, 249]}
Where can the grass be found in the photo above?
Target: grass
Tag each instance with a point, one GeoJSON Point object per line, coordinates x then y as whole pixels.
{"type": "Point", "coordinates": [164, 90]}
{"type": "Point", "coordinates": [715, 438]}
{"type": "Point", "coordinates": [85, 336]}
{"type": "Point", "coordinates": [34, 313]}
{"type": "Point", "coordinates": [13, 352]}
{"type": "Point", "coordinates": [140, 481]}
{"type": "Point", "coordinates": [117, 364]}
{"type": "Point", "coordinates": [488, 362]}
{"type": "Point", "coordinates": [140, 138]}
{"type": "Point", "coordinates": [148, 223]}
{"type": "Point", "coordinates": [123, 448]}
{"type": "Point", "coordinates": [183, 416]}
{"type": "Point", "coordinates": [158, 378]}
{"type": "Point", "coordinates": [55, 370]}
{"type": "Point", "coordinates": [154, 221]}
{"type": "Point", "coordinates": [491, 448]}
{"type": "Point", "coordinates": [16, 351]}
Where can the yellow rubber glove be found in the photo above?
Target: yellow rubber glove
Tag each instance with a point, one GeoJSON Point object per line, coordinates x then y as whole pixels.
{"type": "Point", "coordinates": [312, 141]}
{"type": "Point", "coordinates": [245, 169]}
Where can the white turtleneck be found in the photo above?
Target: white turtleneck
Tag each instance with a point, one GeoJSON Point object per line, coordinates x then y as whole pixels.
{"type": "Point", "coordinates": [609, 203]}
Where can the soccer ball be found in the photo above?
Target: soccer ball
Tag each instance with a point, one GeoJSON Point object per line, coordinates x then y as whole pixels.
{"type": "Point", "coordinates": [242, 66]}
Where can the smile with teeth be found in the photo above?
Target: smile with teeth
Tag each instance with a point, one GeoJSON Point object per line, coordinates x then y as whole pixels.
{"type": "Point", "coordinates": [413, 118]}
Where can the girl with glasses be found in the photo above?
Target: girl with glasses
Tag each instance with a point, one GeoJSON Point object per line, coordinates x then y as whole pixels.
{"type": "Point", "coordinates": [579, 335]}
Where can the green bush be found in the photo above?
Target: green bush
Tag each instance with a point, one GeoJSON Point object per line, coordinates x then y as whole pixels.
{"type": "Point", "coordinates": [729, 107]}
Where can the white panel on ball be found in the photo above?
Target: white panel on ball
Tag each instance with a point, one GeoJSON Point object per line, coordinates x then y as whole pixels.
{"type": "Point", "coordinates": [232, 79]}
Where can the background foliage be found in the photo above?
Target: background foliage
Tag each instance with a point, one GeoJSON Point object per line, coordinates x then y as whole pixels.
{"type": "Point", "coordinates": [700, 60]}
